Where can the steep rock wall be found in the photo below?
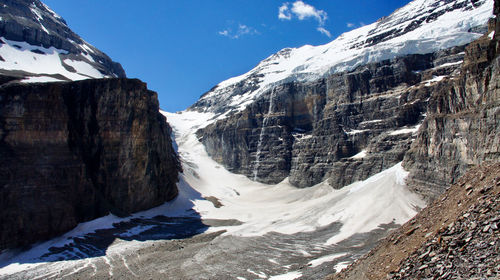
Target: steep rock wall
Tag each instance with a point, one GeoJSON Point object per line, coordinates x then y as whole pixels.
{"type": "Point", "coordinates": [343, 128]}
{"type": "Point", "coordinates": [463, 123]}
{"type": "Point", "coordinates": [76, 151]}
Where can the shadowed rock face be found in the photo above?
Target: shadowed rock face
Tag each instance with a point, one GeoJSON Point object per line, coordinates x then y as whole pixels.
{"type": "Point", "coordinates": [315, 131]}
{"type": "Point", "coordinates": [463, 123]}
{"type": "Point", "coordinates": [76, 151]}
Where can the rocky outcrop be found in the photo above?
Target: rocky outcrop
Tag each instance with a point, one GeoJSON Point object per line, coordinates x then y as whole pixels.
{"type": "Point", "coordinates": [342, 128]}
{"type": "Point", "coordinates": [33, 22]}
{"type": "Point", "coordinates": [76, 151]}
{"type": "Point", "coordinates": [456, 237]}
{"type": "Point", "coordinates": [466, 248]}
{"type": "Point", "coordinates": [462, 127]}
{"type": "Point", "coordinates": [419, 27]}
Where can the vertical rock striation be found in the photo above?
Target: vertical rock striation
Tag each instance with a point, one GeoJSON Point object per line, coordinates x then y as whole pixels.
{"type": "Point", "coordinates": [462, 127]}
{"type": "Point", "coordinates": [76, 151]}
{"type": "Point", "coordinates": [342, 128]}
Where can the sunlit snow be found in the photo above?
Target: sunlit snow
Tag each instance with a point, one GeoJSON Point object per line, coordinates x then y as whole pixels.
{"type": "Point", "coordinates": [287, 276]}
{"type": "Point", "coordinates": [40, 79]}
{"type": "Point", "coordinates": [406, 130]}
{"type": "Point", "coordinates": [359, 155]}
{"type": "Point", "coordinates": [350, 49]}
{"type": "Point", "coordinates": [360, 207]}
{"type": "Point", "coordinates": [22, 56]}
{"type": "Point", "coordinates": [329, 258]}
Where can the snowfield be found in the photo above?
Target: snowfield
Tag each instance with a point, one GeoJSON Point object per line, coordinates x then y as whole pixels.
{"type": "Point", "coordinates": [360, 207]}
{"type": "Point", "coordinates": [441, 26]}
{"type": "Point", "coordinates": [260, 209]}
{"type": "Point", "coordinates": [43, 62]}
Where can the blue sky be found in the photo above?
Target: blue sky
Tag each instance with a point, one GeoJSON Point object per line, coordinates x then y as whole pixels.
{"type": "Point", "coordinates": [184, 48]}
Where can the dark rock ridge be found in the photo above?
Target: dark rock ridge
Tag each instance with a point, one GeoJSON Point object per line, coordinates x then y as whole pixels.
{"type": "Point", "coordinates": [75, 151]}
{"type": "Point", "coordinates": [33, 22]}
{"type": "Point", "coordinates": [466, 248]}
{"type": "Point", "coordinates": [343, 128]}
{"type": "Point", "coordinates": [462, 127]}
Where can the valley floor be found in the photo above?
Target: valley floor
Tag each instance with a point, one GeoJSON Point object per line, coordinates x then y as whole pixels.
{"type": "Point", "coordinates": [226, 226]}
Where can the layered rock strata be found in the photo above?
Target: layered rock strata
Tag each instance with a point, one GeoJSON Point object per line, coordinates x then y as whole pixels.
{"type": "Point", "coordinates": [457, 235]}
{"type": "Point", "coordinates": [75, 151]}
{"type": "Point", "coordinates": [462, 127]}
{"type": "Point", "coordinates": [342, 128]}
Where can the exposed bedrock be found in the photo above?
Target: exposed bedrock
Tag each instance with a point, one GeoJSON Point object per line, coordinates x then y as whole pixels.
{"type": "Point", "coordinates": [343, 128]}
{"type": "Point", "coordinates": [33, 22]}
{"type": "Point", "coordinates": [463, 123]}
{"type": "Point", "coordinates": [75, 151]}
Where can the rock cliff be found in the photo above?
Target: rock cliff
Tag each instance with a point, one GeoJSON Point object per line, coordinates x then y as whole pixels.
{"type": "Point", "coordinates": [345, 110]}
{"type": "Point", "coordinates": [462, 127]}
{"type": "Point", "coordinates": [76, 151]}
{"type": "Point", "coordinates": [456, 237]}
{"type": "Point", "coordinates": [343, 128]}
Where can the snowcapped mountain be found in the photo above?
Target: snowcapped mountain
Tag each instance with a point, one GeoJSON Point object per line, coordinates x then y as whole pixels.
{"type": "Point", "coordinates": [346, 110]}
{"type": "Point", "coordinates": [37, 45]}
{"type": "Point", "coordinates": [310, 172]}
{"type": "Point", "coordinates": [422, 26]}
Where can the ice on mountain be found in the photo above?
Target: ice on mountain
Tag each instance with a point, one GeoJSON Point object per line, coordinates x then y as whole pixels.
{"type": "Point", "coordinates": [40, 79]}
{"type": "Point", "coordinates": [83, 68]}
{"type": "Point", "coordinates": [54, 14]}
{"type": "Point", "coordinates": [39, 60]}
{"type": "Point", "coordinates": [442, 25]}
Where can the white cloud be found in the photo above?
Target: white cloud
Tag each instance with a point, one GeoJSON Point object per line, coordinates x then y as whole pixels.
{"type": "Point", "coordinates": [237, 32]}
{"type": "Point", "coordinates": [302, 11]}
{"type": "Point", "coordinates": [224, 33]}
{"type": "Point", "coordinates": [284, 12]}
{"type": "Point", "coordinates": [350, 24]}
{"type": "Point", "coordinates": [324, 31]}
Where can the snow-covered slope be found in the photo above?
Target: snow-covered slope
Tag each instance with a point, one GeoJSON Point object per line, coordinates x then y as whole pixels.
{"type": "Point", "coordinates": [422, 26]}
{"type": "Point", "coordinates": [37, 44]}
{"type": "Point", "coordinates": [360, 207]}
{"type": "Point", "coordinates": [331, 216]}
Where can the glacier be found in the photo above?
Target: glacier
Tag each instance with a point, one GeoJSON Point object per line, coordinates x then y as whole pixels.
{"type": "Point", "coordinates": [422, 26]}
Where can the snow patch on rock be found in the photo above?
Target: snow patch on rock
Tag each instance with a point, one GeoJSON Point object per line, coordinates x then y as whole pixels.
{"type": "Point", "coordinates": [422, 26]}
{"type": "Point", "coordinates": [32, 59]}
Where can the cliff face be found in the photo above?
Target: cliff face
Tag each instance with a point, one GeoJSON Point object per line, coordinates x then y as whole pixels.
{"type": "Point", "coordinates": [343, 128]}
{"type": "Point", "coordinates": [462, 127]}
{"type": "Point", "coordinates": [457, 235]}
{"type": "Point", "coordinates": [345, 110]}
{"type": "Point", "coordinates": [76, 151]}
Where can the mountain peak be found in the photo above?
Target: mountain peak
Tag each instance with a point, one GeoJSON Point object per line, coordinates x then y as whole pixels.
{"type": "Point", "coordinates": [422, 26]}
{"type": "Point", "coordinates": [37, 44]}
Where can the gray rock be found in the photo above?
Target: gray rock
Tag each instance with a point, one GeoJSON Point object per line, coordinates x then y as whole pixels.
{"type": "Point", "coordinates": [462, 127]}
{"type": "Point", "coordinates": [311, 132]}
{"type": "Point", "coordinates": [75, 151]}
